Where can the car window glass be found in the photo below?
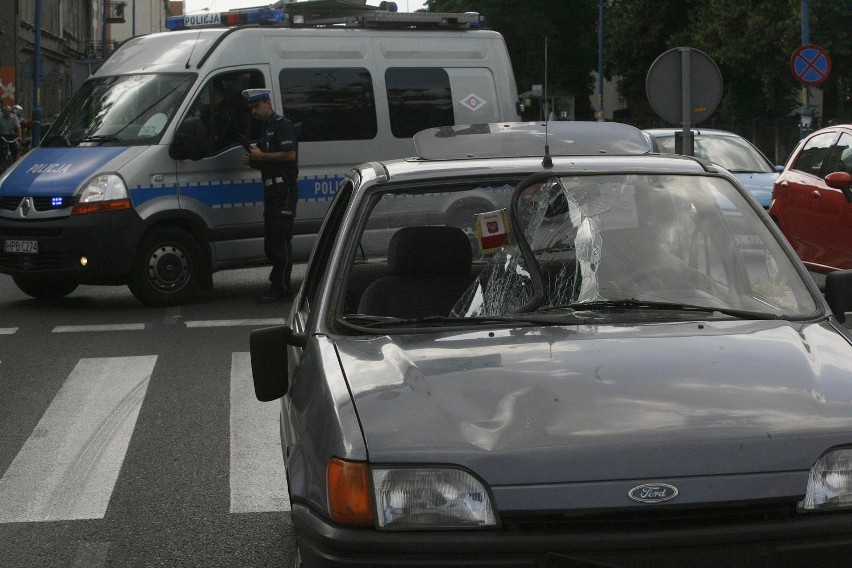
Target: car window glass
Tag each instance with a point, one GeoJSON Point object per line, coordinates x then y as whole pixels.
{"type": "Point", "coordinates": [662, 238]}
{"type": "Point", "coordinates": [418, 98]}
{"type": "Point", "coordinates": [328, 235]}
{"type": "Point", "coordinates": [328, 104]}
{"type": "Point", "coordinates": [222, 109]}
{"type": "Point", "coordinates": [840, 159]}
{"type": "Point", "coordinates": [813, 154]}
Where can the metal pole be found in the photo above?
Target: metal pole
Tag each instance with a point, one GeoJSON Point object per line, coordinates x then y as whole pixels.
{"type": "Point", "coordinates": [600, 112]}
{"type": "Point", "coordinates": [686, 100]}
{"type": "Point", "coordinates": [35, 133]}
{"type": "Point", "coordinates": [103, 32]}
{"type": "Point", "coordinates": [806, 123]}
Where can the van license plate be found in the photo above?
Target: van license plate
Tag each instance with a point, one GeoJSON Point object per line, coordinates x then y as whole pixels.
{"type": "Point", "coordinates": [16, 246]}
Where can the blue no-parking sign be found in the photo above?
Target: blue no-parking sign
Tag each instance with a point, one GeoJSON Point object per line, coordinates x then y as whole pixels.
{"type": "Point", "coordinates": [810, 64]}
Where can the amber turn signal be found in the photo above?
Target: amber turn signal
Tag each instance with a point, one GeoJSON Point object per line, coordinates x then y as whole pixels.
{"type": "Point", "coordinates": [349, 493]}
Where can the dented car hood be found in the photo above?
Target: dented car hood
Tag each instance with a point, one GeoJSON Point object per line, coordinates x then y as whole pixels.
{"type": "Point", "coordinates": [580, 403]}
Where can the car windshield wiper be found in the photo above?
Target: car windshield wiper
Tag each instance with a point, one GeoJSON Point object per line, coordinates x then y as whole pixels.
{"type": "Point", "coordinates": [104, 138]}
{"type": "Point", "coordinates": [633, 304]}
{"type": "Point", "coordinates": [364, 320]}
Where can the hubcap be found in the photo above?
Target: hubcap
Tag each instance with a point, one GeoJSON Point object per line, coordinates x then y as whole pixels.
{"type": "Point", "coordinates": [168, 269]}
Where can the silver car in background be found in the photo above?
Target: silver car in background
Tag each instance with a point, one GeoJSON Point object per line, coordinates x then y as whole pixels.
{"type": "Point", "coordinates": [731, 151]}
{"type": "Point", "coordinates": [618, 361]}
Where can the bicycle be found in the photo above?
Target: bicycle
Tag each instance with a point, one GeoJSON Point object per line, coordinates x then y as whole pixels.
{"type": "Point", "coordinates": [6, 156]}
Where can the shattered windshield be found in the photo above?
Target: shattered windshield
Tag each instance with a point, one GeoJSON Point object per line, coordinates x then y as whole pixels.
{"type": "Point", "coordinates": [633, 247]}
{"type": "Point", "coordinates": [128, 110]}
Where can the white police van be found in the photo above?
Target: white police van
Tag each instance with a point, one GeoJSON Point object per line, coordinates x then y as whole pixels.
{"type": "Point", "coordinates": [140, 180]}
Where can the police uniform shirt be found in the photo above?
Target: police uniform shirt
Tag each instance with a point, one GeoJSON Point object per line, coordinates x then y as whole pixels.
{"type": "Point", "coordinates": [279, 135]}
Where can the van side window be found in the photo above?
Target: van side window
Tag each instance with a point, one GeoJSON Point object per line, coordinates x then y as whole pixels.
{"type": "Point", "coordinates": [328, 103]}
{"type": "Point", "coordinates": [222, 109]}
{"type": "Point", "coordinates": [418, 98]}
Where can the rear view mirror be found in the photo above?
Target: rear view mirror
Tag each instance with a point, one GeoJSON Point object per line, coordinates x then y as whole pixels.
{"type": "Point", "coordinates": [191, 141]}
{"type": "Point", "coordinates": [838, 292]}
{"type": "Point", "coordinates": [841, 181]}
{"type": "Point", "coordinates": [268, 348]}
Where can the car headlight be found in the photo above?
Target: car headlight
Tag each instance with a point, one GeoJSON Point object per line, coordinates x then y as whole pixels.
{"type": "Point", "coordinates": [105, 192]}
{"type": "Point", "coordinates": [830, 482]}
{"type": "Point", "coordinates": [430, 498]}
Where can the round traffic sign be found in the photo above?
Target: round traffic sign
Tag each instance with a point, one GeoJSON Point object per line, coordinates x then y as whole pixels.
{"type": "Point", "coordinates": [680, 71]}
{"type": "Point", "coordinates": [810, 64]}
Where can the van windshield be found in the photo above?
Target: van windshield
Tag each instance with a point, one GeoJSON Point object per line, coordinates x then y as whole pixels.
{"type": "Point", "coordinates": [129, 110]}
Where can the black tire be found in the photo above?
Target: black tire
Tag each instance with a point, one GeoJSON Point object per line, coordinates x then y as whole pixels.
{"type": "Point", "coordinates": [168, 268]}
{"type": "Point", "coordinates": [44, 287]}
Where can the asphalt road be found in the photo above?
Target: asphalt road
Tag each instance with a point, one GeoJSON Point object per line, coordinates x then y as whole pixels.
{"type": "Point", "coordinates": [130, 436]}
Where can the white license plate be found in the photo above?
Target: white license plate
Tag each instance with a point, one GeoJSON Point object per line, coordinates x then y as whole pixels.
{"type": "Point", "coordinates": [17, 246]}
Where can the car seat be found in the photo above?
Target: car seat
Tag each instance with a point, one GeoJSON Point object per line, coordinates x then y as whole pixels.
{"type": "Point", "coordinates": [430, 268]}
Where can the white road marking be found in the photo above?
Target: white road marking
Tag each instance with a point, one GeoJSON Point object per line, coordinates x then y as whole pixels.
{"type": "Point", "coordinates": [8, 330]}
{"type": "Point", "coordinates": [235, 323]}
{"type": "Point", "coordinates": [68, 467]}
{"type": "Point", "coordinates": [258, 482]}
{"type": "Point", "coordinates": [105, 327]}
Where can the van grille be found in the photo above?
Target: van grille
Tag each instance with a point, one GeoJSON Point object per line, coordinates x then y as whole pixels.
{"type": "Point", "coordinates": [41, 203]}
{"type": "Point", "coordinates": [42, 261]}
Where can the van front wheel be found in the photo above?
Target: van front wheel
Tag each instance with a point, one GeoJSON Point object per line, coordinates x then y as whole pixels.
{"type": "Point", "coordinates": [168, 268]}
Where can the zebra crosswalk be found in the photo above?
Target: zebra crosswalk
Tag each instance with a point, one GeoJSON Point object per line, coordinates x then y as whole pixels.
{"type": "Point", "coordinates": [68, 467]}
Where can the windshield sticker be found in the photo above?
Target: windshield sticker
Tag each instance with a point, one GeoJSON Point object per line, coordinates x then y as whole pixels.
{"type": "Point", "coordinates": [492, 228]}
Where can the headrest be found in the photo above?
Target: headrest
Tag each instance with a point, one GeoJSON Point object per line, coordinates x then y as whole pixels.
{"type": "Point", "coordinates": [429, 250]}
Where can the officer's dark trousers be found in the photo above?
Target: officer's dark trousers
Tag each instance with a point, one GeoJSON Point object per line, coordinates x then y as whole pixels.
{"type": "Point", "coordinates": [279, 209]}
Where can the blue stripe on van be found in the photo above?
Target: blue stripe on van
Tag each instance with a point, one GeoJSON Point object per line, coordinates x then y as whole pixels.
{"type": "Point", "coordinates": [242, 193]}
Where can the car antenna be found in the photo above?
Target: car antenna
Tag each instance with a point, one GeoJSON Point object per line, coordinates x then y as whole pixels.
{"type": "Point", "coordinates": [547, 162]}
{"type": "Point", "coordinates": [198, 36]}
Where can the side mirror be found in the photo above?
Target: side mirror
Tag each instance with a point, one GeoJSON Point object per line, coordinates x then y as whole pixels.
{"type": "Point", "coordinates": [191, 141]}
{"type": "Point", "coordinates": [841, 181]}
{"type": "Point", "coordinates": [268, 347]}
{"type": "Point", "coordinates": [838, 292]}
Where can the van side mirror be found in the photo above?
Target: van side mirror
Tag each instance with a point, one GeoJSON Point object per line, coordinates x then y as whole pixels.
{"type": "Point", "coordinates": [268, 347]}
{"type": "Point", "coordinates": [191, 141]}
{"type": "Point", "coordinates": [841, 181]}
{"type": "Point", "coordinates": [838, 292]}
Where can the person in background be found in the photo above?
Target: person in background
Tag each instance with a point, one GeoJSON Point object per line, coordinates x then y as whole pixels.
{"type": "Point", "coordinates": [10, 129]}
{"type": "Point", "coordinates": [276, 156]}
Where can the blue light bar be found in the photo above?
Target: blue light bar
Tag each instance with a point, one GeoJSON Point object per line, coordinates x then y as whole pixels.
{"type": "Point", "coordinates": [261, 16]}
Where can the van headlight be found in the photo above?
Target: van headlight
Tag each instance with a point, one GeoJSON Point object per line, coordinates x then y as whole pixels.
{"type": "Point", "coordinates": [830, 483]}
{"type": "Point", "coordinates": [104, 192]}
{"type": "Point", "coordinates": [430, 498]}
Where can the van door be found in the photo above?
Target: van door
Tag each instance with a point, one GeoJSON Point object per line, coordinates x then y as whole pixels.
{"type": "Point", "coordinates": [219, 188]}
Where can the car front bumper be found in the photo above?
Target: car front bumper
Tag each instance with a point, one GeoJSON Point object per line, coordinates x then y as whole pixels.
{"type": "Point", "coordinates": [803, 540]}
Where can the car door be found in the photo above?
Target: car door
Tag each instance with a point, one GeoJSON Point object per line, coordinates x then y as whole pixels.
{"type": "Point", "coordinates": [832, 212]}
{"type": "Point", "coordinates": [798, 189]}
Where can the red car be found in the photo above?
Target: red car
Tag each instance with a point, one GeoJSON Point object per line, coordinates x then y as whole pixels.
{"type": "Point", "coordinates": [812, 199]}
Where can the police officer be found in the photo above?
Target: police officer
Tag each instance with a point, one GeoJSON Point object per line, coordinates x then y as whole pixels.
{"type": "Point", "coordinates": [276, 156]}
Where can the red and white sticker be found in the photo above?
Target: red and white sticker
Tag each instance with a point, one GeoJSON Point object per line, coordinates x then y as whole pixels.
{"type": "Point", "coordinates": [492, 229]}
{"type": "Point", "coordinates": [473, 102]}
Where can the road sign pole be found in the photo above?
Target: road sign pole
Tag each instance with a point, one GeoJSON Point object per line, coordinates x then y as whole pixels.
{"type": "Point", "coordinates": [807, 117]}
{"type": "Point", "coordinates": [686, 100]}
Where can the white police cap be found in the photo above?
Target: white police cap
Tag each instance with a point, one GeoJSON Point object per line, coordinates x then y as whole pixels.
{"type": "Point", "coordinates": [254, 95]}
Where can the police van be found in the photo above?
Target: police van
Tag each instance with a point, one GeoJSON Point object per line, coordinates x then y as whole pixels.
{"type": "Point", "coordinates": [140, 180]}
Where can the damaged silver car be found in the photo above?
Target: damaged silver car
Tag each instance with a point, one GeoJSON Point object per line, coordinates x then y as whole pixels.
{"type": "Point", "coordinates": [541, 345]}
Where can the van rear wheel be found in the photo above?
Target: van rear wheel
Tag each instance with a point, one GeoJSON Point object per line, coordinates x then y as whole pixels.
{"type": "Point", "coordinates": [46, 287]}
{"type": "Point", "coordinates": [168, 268]}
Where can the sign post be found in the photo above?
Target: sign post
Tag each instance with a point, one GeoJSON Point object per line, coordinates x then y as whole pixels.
{"type": "Point", "coordinates": [684, 86]}
{"type": "Point", "coordinates": [810, 65]}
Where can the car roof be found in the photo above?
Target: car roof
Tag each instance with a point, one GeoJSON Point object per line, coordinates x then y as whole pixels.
{"type": "Point", "coordinates": [516, 139]}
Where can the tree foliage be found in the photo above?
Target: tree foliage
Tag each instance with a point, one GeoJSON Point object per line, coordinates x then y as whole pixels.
{"type": "Point", "coordinates": [751, 41]}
